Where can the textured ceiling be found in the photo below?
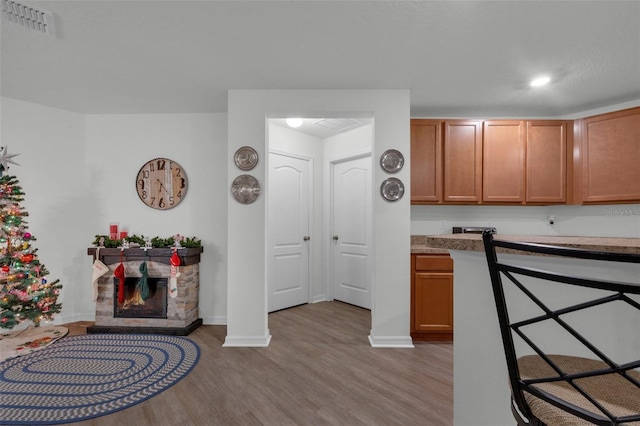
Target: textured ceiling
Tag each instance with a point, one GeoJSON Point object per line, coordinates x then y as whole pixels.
{"type": "Point", "coordinates": [458, 59]}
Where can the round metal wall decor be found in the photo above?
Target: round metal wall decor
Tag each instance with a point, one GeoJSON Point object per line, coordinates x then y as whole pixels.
{"type": "Point", "coordinates": [246, 158]}
{"type": "Point", "coordinates": [392, 189]}
{"type": "Point", "coordinates": [392, 160]}
{"type": "Point", "coordinates": [245, 189]}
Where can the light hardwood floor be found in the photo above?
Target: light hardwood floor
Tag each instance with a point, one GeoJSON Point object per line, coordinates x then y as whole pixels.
{"type": "Point", "coordinates": [319, 369]}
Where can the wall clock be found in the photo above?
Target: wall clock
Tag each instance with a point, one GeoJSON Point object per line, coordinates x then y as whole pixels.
{"type": "Point", "coordinates": [161, 183]}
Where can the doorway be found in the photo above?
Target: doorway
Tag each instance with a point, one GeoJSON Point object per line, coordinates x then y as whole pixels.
{"type": "Point", "coordinates": [302, 262]}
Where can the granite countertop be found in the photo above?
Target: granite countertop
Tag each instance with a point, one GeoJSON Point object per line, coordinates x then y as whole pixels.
{"type": "Point", "coordinates": [474, 242]}
{"type": "Point", "coordinates": [420, 249]}
{"type": "Point", "coordinates": [418, 246]}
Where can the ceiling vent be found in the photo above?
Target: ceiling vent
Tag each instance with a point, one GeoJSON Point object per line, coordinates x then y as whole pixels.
{"type": "Point", "coordinates": [29, 17]}
{"type": "Point", "coordinates": [339, 124]}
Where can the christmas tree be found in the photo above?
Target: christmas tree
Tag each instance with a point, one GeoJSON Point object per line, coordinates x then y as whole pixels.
{"type": "Point", "coordinates": [25, 293]}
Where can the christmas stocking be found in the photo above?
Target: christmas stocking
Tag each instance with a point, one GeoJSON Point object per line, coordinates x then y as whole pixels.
{"type": "Point", "coordinates": [143, 282]}
{"type": "Point", "coordinates": [99, 269]}
{"type": "Point", "coordinates": [173, 279]}
{"type": "Point", "coordinates": [119, 274]}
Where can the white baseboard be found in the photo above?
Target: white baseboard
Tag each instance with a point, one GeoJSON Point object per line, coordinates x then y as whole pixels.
{"type": "Point", "coordinates": [247, 341]}
{"type": "Point", "coordinates": [220, 320]}
{"type": "Point", "coordinates": [390, 341]}
{"type": "Point", "coordinates": [66, 319]}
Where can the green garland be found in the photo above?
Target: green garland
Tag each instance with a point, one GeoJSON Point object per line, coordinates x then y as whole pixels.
{"type": "Point", "coordinates": [156, 242]}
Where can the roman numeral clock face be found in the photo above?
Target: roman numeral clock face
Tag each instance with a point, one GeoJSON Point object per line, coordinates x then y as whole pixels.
{"type": "Point", "coordinates": [161, 183]}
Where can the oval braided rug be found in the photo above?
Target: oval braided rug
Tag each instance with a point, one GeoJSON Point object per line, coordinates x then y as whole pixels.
{"type": "Point", "coordinates": [82, 377]}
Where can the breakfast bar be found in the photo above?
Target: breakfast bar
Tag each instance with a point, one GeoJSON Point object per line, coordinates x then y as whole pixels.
{"type": "Point", "coordinates": [481, 389]}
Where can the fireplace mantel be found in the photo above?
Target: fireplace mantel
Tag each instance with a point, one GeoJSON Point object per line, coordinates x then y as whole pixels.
{"type": "Point", "coordinates": [182, 310]}
{"type": "Point", "coordinates": [109, 256]}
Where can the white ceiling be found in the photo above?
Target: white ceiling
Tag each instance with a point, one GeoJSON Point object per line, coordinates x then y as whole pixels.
{"type": "Point", "coordinates": [324, 127]}
{"type": "Point", "coordinates": [457, 58]}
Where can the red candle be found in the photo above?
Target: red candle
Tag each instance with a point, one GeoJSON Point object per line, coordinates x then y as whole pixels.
{"type": "Point", "coordinates": [113, 231]}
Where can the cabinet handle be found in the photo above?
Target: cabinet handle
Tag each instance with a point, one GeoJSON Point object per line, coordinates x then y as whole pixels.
{"type": "Point", "coordinates": [335, 237]}
{"type": "Point", "coordinates": [306, 238]}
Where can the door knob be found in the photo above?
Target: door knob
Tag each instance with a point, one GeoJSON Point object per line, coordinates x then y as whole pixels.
{"type": "Point", "coordinates": [306, 238]}
{"type": "Point", "coordinates": [335, 237]}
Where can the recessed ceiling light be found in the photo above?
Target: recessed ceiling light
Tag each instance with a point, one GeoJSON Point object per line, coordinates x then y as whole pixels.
{"type": "Point", "coordinates": [294, 122]}
{"type": "Point", "coordinates": [540, 81]}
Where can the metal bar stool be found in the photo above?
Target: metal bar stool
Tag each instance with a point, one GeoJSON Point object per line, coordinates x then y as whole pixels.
{"type": "Point", "coordinates": [590, 385]}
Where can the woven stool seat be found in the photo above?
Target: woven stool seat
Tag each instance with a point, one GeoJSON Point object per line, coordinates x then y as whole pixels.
{"type": "Point", "coordinates": [613, 391]}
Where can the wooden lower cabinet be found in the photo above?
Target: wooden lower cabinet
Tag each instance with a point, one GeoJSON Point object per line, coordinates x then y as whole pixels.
{"type": "Point", "coordinates": [431, 297]}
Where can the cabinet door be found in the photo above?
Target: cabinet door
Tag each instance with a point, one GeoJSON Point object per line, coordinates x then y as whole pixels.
{"type": "Point", "coordinates": [611, 157]}
{"type": "Point", "coordinates": [546, 162]}
{"type": "Point", "coordinates": [462, 161]}
{"type": "Point", "coordinates": [503, 157]}
{"type": "Point", "coordinates": [426, 161]}
{"type": "Point", "coordinates": [433, 310]}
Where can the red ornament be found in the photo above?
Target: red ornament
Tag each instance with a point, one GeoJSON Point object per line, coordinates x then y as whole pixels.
{"type": "Point", "coordinates": [27, 236]}
{"type": "Point", "coordinates": [26, 258]}
{"type": "Point", "coordinates": [5, 268]}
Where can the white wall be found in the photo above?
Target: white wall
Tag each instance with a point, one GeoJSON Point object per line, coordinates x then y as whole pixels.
{"type": "Point", "coordinates": [248, 109]}
{"type": "Point", "coordinates": [620, 220]}
{"type": "Point", "coordinates": [78, 173]}
{"type": "Point", "coordinates": [349, 143]}
{"type": "Point", "coordinates": [50, 142]}
{"type": "Point", "coordinates": [118, 145]}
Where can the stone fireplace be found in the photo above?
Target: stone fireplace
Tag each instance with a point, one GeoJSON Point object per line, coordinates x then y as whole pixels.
{"type": "Point", "coordinates": [159, 313]}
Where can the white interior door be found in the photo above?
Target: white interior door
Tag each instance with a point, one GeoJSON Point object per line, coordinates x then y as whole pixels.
{"type": "Point", "coordinates": [351, 214]}
{"type": "Point", "coordinates": [288, 235]}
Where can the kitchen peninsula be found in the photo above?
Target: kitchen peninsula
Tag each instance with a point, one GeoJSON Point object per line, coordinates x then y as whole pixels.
{"type": "Point", "coordinates": [481, 390]}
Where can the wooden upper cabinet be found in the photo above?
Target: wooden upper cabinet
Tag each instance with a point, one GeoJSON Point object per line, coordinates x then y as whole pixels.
{"type": "Point", "coordinates": [426, 161]}
{"type": "Point", "coordinates": [610, 156]}
{"type": "Point", "coordinates": [462, 154]}
{"type": "Point", "coordinates": [546, 154]}
{"type": "Point", "coordinates": [589, 161]}
{"type": "Point", "coordinates": [503, 171]}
